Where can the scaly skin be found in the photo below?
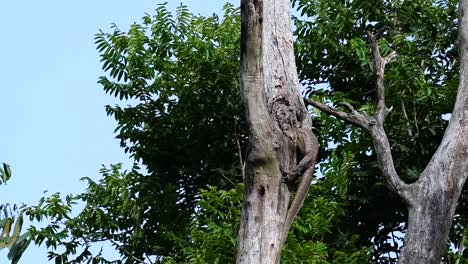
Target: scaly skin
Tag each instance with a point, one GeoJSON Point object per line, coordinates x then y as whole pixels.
{"type": "Point", "coordinates": [307, 145]}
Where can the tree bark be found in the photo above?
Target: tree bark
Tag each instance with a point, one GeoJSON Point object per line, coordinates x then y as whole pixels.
{"type": "Point", "coordinates": [434, 196]}
{"type": "Point", "coordinates": [428, 227]}
{"type": "Point", "coordinates": [275, 112]}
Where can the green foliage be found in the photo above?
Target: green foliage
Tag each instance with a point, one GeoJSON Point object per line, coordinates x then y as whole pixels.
{"type": "Point", "coordinates": [11, 237]}
{"type": "Point", "coordinates": [312, 238]}
{"type": "Point", "coordinates": [420, 86]}
{"type": "Point", "coordinates": [5, 173]}
{"type": "Point", "coordinates": [113, 212]}
{"type": "Point", "coordinates": [116, 210]}
{"type": "Point", "coordinates": [108, 211]}
{"type": "Point", "coordinates": [180, 117]}
{"type": "Point", "coordinates": [179, 76]}
{"type": "Point", "coordinates": [57, 212]}
{"type": "Point", "coordinates": [213, 229]}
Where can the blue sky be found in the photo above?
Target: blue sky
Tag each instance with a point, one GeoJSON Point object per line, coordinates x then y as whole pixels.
{"type": "Point", "coordinates": [54, 129]}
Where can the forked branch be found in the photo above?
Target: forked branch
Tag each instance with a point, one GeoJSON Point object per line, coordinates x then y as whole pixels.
{"type": "Point", "coordinates": [374, 124]}
{"type": "Point", "coordinates": [380, 63]}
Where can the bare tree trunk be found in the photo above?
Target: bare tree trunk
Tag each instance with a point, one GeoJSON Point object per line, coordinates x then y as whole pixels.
{"type": "Point", "coordinates": [432, 199]}
{"type": "Point", "coordinates": [429, 223]}
{"type": "Point", "coordinates": [277, 118]}
{"type": "Point", "coordinates": [434, 196]}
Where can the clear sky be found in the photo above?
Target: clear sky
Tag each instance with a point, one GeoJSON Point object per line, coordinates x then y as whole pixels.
{"type": "Point", "coordinates": [53, 127]}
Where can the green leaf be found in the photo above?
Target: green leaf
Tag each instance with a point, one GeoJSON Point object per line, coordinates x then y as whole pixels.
{"type": "Point", "coordinates": [18, 248]}
{"type": "Point", "coordinates": [5, 173]}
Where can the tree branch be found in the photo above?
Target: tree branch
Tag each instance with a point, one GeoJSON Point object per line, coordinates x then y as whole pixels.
{"type": "Point", "coordinates": [374, 125]}
{"type": "Point", "coordinates": [380, 63]}
{"type": "Point", "coordinates": [379, 136]}
{"type": "Point", "coordinates": [356, 118]}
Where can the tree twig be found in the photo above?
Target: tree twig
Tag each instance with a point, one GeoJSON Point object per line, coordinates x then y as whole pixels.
{"type": "Point", "coordinates": [239, 151]}
{"type": "Point", "coordinates": [142, 261]}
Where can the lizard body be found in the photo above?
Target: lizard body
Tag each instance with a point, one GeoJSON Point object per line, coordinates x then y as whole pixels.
{"type": "Point", "coordinates": [307, 145]}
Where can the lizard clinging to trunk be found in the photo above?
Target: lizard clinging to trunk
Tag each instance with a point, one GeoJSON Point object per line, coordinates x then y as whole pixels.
{"type": "Point", "coordinates": [295, 125]}
{"type": "Point", "coordinates": [307, 147]}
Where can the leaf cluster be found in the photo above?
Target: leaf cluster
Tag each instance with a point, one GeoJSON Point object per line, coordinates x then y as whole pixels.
{"type": "Point", "coordinates": [178, 74]}
{"type": "Point", "coordinates": [11, 224]}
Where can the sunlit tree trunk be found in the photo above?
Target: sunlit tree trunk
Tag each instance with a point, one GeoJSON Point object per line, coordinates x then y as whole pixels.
{"type": "Point", "coordinates": [274, 113]}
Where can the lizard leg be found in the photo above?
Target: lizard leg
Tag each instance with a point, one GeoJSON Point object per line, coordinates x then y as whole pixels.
{"type": "Point", "coordinates": [291, 176]}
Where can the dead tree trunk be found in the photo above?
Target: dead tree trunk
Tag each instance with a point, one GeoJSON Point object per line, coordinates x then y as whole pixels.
{"type": "Point", "coordinates": [279, 127]}
{"type": "Point", "coordinates": [432, 199]}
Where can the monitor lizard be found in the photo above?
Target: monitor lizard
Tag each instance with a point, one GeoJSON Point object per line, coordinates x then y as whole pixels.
{"type": "Point", "coordinates": [307, 147]}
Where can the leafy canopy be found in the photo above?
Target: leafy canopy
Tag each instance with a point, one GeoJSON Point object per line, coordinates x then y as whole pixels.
{"type": "Point", "coordinates": [180, 117]}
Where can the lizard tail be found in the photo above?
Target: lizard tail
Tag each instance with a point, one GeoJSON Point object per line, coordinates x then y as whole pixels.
{"type": "Point", "coordinates": [296, 204]}
{"type": "Point", "coordinates": [298, 201]}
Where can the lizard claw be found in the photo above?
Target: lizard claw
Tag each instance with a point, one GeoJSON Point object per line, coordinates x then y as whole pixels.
{"type": "Point", "coordinates": [289, 176]}
{"type": "Point", "coordinates": [286, 174]}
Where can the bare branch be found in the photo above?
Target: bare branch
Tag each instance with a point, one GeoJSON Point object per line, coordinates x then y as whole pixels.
{"type": "Point", "coordinates": [374, 125]}
{"type": "Point", "coordinates": [384, 157]}
{"type": "Point", "coordinates": [381, 144]}
{"type": "Point", "coordinates": [390, 57]}
{"type": "Point", "coordinates": [356, 118]}
{"type": "Point", "coordinates": [380, 63]}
